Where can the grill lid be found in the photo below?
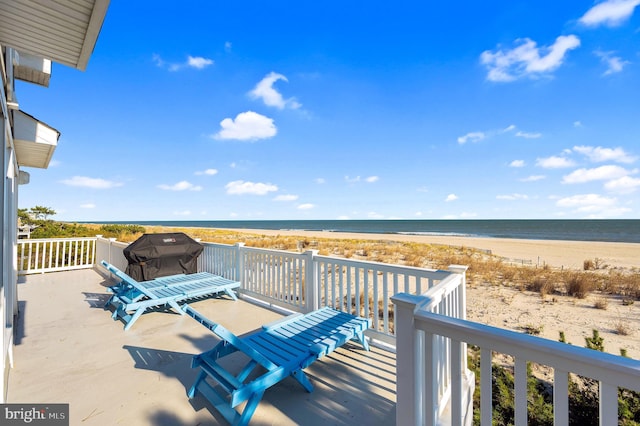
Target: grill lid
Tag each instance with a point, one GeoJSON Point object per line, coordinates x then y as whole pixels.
{"type": "Point", "coordinates": [159, 255]}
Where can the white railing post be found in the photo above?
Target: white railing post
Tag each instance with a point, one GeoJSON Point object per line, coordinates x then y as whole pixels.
{"type": "Point", "coordinates": [311, 284]}
{"type": "Point", "coordinates": [462, 296]}
{"type": "Point", "coordinates": [111, 241]}
{"type": "Point", "coordinates": [410, 389]}
{"type": "Point", "coordinates": [240, 264]}
{"type": "Point", "coordinates": [459, 371]}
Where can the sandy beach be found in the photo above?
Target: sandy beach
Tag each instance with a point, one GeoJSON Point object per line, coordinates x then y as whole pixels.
{"type": "Point", "coordinates": [519, 310]}
{"type": "Point", "coordinates": [568, 254]}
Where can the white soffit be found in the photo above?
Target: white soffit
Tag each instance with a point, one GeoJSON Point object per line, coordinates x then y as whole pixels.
{"type": "Point", "coordinates": [64, 31]}
{"type": "Point", "coordinates": [33, 69]}
{"type": "Point", "coordinates": [34, 141]}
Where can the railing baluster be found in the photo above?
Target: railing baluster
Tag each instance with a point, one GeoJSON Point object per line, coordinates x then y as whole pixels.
{"type": "Point", "coordinates": [457, 368]}
{"type": "Point", "coordinates": [520, 376]}
{"type": "Point", "coordinates": [49, 252]}
{"type": "Point", "coordinates": [385, 302]}
{"type": "Point", "coordinates": [608, 404]}
{"type": "Point", "coordinates": [365, 291]}
{"type": "Point", "coordinates": [325, 278]}
{"type": "Point", "coordinates": [486, 389]}
{"type": "Point", "coordinates": [341, 286]}
{"type": "Point", "coordinates": [37, 265]}
{"type": "Point", "coordinates": [376, 313]}
{"type": "Point", "coordinates": [349, 280]}
{"type": "Point", "coordinates": [561, 397]}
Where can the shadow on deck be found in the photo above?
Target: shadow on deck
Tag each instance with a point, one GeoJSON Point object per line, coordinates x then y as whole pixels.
{"type": "Point", "coordinates": [69, 350]}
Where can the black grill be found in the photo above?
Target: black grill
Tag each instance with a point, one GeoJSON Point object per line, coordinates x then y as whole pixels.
{"type": "Point", "coordinates": [159, 255]}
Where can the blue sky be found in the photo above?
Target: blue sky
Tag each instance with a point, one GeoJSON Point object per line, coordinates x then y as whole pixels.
{"type": "Point", "coordinates": [207, 110]}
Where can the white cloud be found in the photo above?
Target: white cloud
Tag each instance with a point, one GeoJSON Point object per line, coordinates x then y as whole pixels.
{"type": "Point", "coordinates": [587, 203]}
{"type": "Point", "coordinates": [182, 213]}
{"type": "Point", "coordinates": [181, 186]}
{"type": "Point", "coordinates": [479, 136]}
{"type": "Point", "coordinates": [289, 197]}
{"type": "Point", "coordinates": [88, 206]}
{"type": "Point", "coordinates": [87, 182]}
{"type": "Point", "coordinates": [375, 215]}
{"type": "Point", "coordinates": [306, 206]}
{"type": "Point", "coordinates": [610, 13]}
{"type": "Point", "coordinates": [577, 123]}
{"type": "Point", "coordinates": [319, 181]}
{"type": "Point", "coordinates": [471, 137]}
{"type": "Point", "coordinates": [517, 163]}
{"type": "Point", "coordinates": [554, 162]}
{"type": "Point", "coordinates": [197, 62]}
{"type": "Point", "coordinates": [239, 187]}
{"type": "Point", "coordinates": [270, 96]}
{"type": "Point", "coordinates": [528, 135]}
{"type": "Point", "coordinates": [468, 215]}
{"type": "Point", "coordinates": [623, 185]}
{"type": "Point", "coordinates": [512, 197]}
{"type": "Point", "coordinates": [463, 215]}
{"type": "Point", "coordinates": [599, 173]}
{"type": "Point", "coordinates": [247, 126]}
{"type": "Point", "coordinates": [451, 197]}
{"type": "Point", "coordinates": [526, 59]}
{"type": "Point", "coordinates": [533, 178]}
{"type": "Point", "coordinates": [370, 179]}
{"type": "Point", "coordinates": [614, 64]}
{"type": "Point", "coordinates": [227, 46]}
{"type": "Point", "coordinates": [208, 172]}
{"type": "Point", "coordinates": [599, 154]}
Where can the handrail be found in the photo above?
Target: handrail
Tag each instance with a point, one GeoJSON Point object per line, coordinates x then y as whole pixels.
{"type": "Point", "coordinates": [417, 353]}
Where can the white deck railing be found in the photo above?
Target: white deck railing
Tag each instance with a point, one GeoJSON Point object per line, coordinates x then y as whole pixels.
{"type": "Point", "coordinates": [306, 281]}
{"type": "Point", "coordinates": [55, 254]}
{"type": "Point", "coordinates": [418, 352]}
{"type": "Point", "coordinates": [426, 323]}
{"type": "Point", "coordinates": [303, 282]}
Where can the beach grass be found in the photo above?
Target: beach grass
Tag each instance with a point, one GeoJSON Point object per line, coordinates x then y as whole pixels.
{"type": "Point", "coordinates": [485, 268]}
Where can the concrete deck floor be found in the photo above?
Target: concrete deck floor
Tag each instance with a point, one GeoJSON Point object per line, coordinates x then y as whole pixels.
{"type": "Point", "coordinates": [69, 350]}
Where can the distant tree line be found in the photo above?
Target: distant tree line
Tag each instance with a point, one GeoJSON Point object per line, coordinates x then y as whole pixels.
{"type": "Point", "coordinates": [38, 220]}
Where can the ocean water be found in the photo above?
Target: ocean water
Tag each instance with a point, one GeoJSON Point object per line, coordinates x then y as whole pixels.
{"type": "Point", "coordinates": [627, 230]}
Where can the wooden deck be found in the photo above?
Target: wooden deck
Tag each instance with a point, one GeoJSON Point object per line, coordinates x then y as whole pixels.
{"type": "Point", "coordinates": [69, 350]}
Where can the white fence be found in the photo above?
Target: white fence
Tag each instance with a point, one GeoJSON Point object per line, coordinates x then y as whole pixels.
{"type": "Point", "coordinates": [55, 254]}
{"type": "Point", "coordinates": [419, 370]}
{"type": "Point", "coordinates": [303, 282]}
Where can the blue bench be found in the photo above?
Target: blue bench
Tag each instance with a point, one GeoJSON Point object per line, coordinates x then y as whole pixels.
{"type": "Point", "coordinates": [132, 298]}
{"type": "Point", "coordinates": [283, 349]}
